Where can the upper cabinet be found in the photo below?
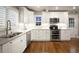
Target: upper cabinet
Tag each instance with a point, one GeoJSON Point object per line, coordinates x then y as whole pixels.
{"type": "Point", "coordinates": [63, 16]}
{"type": "Point", "coordinates": [25, 16]}
{"type": "Point", "coordinates": [21, 15]}
{"type": "Point", "coordinates": [45, 17]}
{"type": "Point", "coordinates": [31, 17]}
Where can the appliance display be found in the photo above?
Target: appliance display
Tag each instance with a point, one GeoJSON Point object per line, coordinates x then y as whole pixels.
{"type": "Point", "coordinates": [54, 32]}
{"type": "Point", "coordinates": [54, 20]}
{"type": "Point", "coordinates": [54, 27]}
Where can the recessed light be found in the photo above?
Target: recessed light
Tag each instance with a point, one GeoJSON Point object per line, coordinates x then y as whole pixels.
{"type": "Point", "coordinates": [74, 7]}
{"type": "Point", "coordinates": [38, 6]}
{"type": "Point", "coordinates": [56, 8]}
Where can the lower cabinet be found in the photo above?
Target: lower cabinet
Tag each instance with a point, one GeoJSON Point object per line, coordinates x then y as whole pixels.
{"type": "Point", "coordinates": [28, 36]}
{"type": "Point", "coordinates": [65, 34]}
{"type": "Point", "coordinates": [7, 48]}
{"type": "Point", "coordinates": [44, 34]}
{"type": "Point", "coordinates": [17, 45]}
{"type": "Point", "coordinates": [40, 35]}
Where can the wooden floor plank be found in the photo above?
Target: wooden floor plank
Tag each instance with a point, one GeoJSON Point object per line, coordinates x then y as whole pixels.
{"type": "Point", "coordinates": [53, 47]}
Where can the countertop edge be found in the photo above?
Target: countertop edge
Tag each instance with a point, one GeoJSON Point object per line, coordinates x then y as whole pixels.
{"type": "Point", "coordinates": [13, 38]}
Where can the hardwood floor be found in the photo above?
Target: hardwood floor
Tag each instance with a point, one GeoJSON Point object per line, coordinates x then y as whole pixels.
{"type": "Point", "coordinates": [53, 47]}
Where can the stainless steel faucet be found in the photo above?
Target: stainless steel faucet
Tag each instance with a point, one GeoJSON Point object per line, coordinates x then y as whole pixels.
{"type": "Point", "coordinates": [8, 27]}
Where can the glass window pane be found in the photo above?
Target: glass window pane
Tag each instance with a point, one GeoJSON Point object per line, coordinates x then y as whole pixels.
{"type": "Point", "coordinates": [38, 21]}
{"type": "Point", "coordinates": [71, 22]}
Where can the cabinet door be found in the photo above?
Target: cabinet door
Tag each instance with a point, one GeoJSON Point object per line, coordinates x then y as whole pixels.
{"type": "Point", "coordinates": [28, 37]}
{"type": "Point", "coordinates": [47, 35]}
{"type": "Point", "coordinates": [44, 34]}
{"type": "Point", "coordinates": [19, 44]}
{"type": "Point", "coordinates": [34, 35]}
{"type": "Point", "coordinates": [31, 17]}
{"type": "Point", "coordinates": [65, 35]}
{"type": "Point", "coordinates": [23, 43]}
{"type": "Point", "coordinates": [16, 45]}
{"type": "Point", "coordinates": [40, 34]}
{"type": "Point", "coordinates": [7, 48]}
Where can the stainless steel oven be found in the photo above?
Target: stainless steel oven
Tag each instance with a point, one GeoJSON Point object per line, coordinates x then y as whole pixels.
{"type": "Point", "coordinates": [54, 32]}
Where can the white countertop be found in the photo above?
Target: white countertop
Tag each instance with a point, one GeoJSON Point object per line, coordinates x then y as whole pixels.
{"type": "Point", "coordinates": [5, 40]}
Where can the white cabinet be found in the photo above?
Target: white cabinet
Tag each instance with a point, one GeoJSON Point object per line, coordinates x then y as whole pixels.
{"type": "Point", "coordinates": [7, 48]}
{"type": "Point", "coordinates": [31, 17]}
{"type": "Point", "coordinates": [19, 44]}
{"type": "Point", "coordinates": [40, 34]}
{"type": "Point", "coordinates": [26, 16]}
{"type": "Point", "coordinates": [45, 17]}
{"type": "Point", "coordinates": [21, 15]}
{"type": "Point", "coordinates": [23, 43]}
{"type": "Point", "coordinates": [28, 36]}
{"type": "Point", "coordinates": [15, 46]}
{"type": "Point", "coordinates": [65, 34]}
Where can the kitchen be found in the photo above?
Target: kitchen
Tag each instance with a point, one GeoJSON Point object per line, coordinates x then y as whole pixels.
{"type": "Point", "coordinates": [22, 25]}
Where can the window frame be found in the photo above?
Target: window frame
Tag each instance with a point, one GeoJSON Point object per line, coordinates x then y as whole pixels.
{"type": "Point", "coordinates": [71, 22]}
{"type": "Point", "coordinates": [38, 20]}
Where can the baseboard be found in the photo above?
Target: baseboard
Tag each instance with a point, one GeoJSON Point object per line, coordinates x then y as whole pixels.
{"type": "Point", "coordinates": [49, 40]}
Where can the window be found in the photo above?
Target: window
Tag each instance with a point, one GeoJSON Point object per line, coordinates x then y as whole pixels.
{"type": "Point", "coordinates": [71, 22]}
{"type": "Point", "coordinates": [38, 21]}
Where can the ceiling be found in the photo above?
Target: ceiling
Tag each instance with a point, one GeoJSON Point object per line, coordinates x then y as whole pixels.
{"type": "Point", "coordinates": [72, 9]}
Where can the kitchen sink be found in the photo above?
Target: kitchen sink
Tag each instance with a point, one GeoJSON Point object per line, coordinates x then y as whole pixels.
{"type": "Point", "coordinates": [11, 35]}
